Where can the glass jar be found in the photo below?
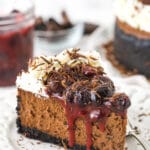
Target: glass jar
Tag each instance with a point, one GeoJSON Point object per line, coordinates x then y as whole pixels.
{"type": "Point", "coordinates": [16, 38]}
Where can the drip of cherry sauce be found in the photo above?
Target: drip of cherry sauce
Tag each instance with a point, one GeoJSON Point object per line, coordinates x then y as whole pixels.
{"type": "Point", "coordinates": [94, 113]}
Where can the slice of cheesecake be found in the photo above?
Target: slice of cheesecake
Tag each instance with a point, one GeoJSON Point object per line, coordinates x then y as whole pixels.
{"type": "Point", "coordinates": [68, 100]}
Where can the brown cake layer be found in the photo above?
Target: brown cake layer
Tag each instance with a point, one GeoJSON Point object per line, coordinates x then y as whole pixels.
{"type": "Point", "coordinates": [45, 119]}
{"type": "Point", "coordinates": [132, 31]}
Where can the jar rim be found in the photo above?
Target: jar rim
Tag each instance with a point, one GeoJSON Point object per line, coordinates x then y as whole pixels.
{"type": "Point", "coordinates": [17, 17]}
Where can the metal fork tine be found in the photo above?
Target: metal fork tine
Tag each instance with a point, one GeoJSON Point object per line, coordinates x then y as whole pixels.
{"type": "Point", "coordinates": [132, 132]}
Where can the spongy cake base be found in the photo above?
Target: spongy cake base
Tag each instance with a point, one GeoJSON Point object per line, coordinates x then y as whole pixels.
{"type": "Point", "coordinates": [38, 135]}
{"type": "Point", "coordinates": [45, 120]}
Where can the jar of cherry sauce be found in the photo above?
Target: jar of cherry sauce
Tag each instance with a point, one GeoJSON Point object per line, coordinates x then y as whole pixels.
{"type": "Point", "coordinates": [16, 38]}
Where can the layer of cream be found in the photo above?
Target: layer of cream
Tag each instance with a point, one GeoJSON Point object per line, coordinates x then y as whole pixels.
{"type": "Point", "coordinates": [32, 80]}
{"type": "Point", "coordinates": [134, 13]}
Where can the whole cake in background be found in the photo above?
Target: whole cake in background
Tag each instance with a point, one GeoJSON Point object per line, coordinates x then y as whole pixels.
{"type": "Point", "coordinates": [132, 35]}
{"type": "Point", "coordinates": [68, 100]}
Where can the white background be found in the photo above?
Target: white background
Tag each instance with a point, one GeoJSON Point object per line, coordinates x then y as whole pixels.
{"type": "Point", "coordinates": [100, 11]}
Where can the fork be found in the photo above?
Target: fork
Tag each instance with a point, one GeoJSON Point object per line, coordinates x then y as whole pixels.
{"type": "Point", "coordinates": [132, 132]}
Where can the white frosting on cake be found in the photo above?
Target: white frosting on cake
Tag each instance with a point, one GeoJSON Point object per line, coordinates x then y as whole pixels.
{"type": "Point", "coordinates": [134, 13]}
{"type": "Point", "coordinates": [32, 80]}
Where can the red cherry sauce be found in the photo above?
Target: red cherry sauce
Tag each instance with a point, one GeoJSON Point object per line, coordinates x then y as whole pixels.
{"type": "Point", "coordinates": [90, 114]}
{"type": "Point", "coordinates": [16, 48]}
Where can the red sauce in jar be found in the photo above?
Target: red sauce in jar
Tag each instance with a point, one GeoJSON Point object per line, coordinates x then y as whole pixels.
{"type": "Point", "coordinates": [16, 47]}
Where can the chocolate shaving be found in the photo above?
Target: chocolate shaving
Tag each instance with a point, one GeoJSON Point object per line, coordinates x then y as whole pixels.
{"type": "Point", "coordinates": [47, 61]}
{"type": "Point", "coordinates": [58, 62]}
{"type": "Point", "coordinates": [36, 66]}
{"type": "Point", "coordinates": [75, 54]}
{"type": "Point", "coordinates": [93, 58]}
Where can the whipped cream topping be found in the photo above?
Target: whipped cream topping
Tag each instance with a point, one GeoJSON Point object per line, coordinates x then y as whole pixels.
{"type": "Point", "coordinates": [134, 13]}
{"type": "Point", "coordinates": [39, 67]}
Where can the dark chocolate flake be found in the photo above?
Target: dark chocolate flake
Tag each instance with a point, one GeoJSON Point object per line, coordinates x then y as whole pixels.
{"type": "Point", "coordinates": [36, 66]}
{"type": "Point", "coordinates": [47, 61]}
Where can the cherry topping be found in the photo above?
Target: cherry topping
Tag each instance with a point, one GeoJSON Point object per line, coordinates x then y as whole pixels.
{"type": "Point", "coordinates": [81, 97]}
{"type": "Point", "coordinates": [54, 87]}
{"type": "Point", "coordinates": [81, 93]}
{"type": "Point", "coordinates": [121, 102]}
{"type": "Point", "coordinates": [104, 91]}
{"type": "Point", "coordinates": [106, 87]}
{"type": "Point", "coordinates": [87, 92]}
{"type": "Point", "coordinates": [88, 71]}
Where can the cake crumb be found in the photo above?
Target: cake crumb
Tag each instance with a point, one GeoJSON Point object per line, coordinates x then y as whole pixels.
{"type": "Point", "coordinates": [143, 115]}
{"type": "Point", "coordinates": [136, 130]}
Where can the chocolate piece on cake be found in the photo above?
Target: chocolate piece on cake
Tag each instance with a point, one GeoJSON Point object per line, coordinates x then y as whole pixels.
{"type": "Point", "coordinates": [69, 100]}
{"type": "Point", "coordinates": [132, 35]}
